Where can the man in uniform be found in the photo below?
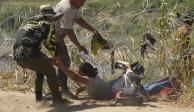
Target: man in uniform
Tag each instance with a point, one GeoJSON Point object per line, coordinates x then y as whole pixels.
{"type": "Point", "coordinates": [27, 50]}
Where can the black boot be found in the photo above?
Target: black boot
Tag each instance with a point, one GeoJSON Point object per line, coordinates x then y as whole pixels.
{"type": "Point", "coordinates": [38, 96]}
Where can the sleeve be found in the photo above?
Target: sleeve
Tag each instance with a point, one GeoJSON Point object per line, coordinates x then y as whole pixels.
{"type": "Point", "coordinates": [66, 22]}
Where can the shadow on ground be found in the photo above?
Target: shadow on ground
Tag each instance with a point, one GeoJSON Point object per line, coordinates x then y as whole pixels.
{"type": "Point", "coordinates": [88, 105]}
{"type": "Point", "coordinates": [75, 108]}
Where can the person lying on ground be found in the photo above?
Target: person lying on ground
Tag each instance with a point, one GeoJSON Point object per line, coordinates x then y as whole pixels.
{"type": "Point", "coordinates": [87, 75]}
{"type": "Point", "coordinates": [98, 88]}
{"type": "Point", "coordinates": [27, 50]}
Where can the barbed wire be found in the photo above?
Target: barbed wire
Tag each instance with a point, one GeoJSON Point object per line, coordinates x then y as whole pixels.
{"type": "Point", "coordinates": [126, 18]}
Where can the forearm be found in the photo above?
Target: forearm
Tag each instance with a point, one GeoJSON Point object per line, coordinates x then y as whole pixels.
{"type": "Point", "coordinates": [85, 25]}
{"type": "Point", "coordinates": [73, 38]}
{"type": "Point", "coordinates": [69, 73]}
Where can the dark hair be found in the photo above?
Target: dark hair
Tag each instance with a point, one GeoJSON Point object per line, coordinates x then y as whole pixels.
{"type": "Point", "coordinates": [88, 70]}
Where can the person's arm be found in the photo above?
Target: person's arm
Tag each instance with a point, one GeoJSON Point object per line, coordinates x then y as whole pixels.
{"type": "Point", "coordinates": [69, 73]}
{"type": "Point", "coordinates": [71, 34]}
{"type": "Point", "coordinates": [85, 25]}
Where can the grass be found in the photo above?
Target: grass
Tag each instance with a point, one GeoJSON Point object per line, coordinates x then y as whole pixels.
{"type": "Point", "coordinates": [113, 19]}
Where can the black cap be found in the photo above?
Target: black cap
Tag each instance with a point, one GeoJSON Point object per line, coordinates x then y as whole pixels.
{"type": "Point", "coordinates": [46, 10]}
{"type": "Point", "coordinates": [88, 70]}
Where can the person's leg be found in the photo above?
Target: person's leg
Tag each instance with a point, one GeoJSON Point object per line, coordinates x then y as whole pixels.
{"type": "Point", "coordinates": [158, 81]}
{"type": "Point", "coordinates": [64, 56]}
{"type": "Point", "coordinates": [41, 64]}
{"type": "Point", "coordinates": [62, 52]}
{"type": "Point", "coordinates": [155, 88]}
{"type": "Point", "coordinates": [38, 85]}
{"type": "Point", "coordinates": [62, 79]}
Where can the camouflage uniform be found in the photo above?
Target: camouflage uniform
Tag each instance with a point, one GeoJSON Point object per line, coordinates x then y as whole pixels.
{"type": "Point", "coordinates": [28, 55]}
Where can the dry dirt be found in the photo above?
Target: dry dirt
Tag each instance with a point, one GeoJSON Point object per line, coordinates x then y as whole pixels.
{"type": "Point", "coordinates": [24, 102]}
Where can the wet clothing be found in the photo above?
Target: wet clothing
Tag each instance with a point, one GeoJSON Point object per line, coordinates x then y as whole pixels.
{"type": "Point", "coordinates": [27, 54]}
{"type": "Point", "coordinates": [99, 89]}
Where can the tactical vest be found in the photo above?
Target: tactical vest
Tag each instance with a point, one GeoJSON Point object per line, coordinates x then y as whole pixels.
{"type": "Point", "coordinates": [30, 36]}
{"type": "Point", "coordinates": [49, 40]}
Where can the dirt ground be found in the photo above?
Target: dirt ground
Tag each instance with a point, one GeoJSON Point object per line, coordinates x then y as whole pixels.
{"type": "Point", "coordinates": [24, 102]}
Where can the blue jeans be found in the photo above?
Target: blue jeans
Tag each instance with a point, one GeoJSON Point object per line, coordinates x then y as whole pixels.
{"type": "Point", "coordinates": [156, 86]}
